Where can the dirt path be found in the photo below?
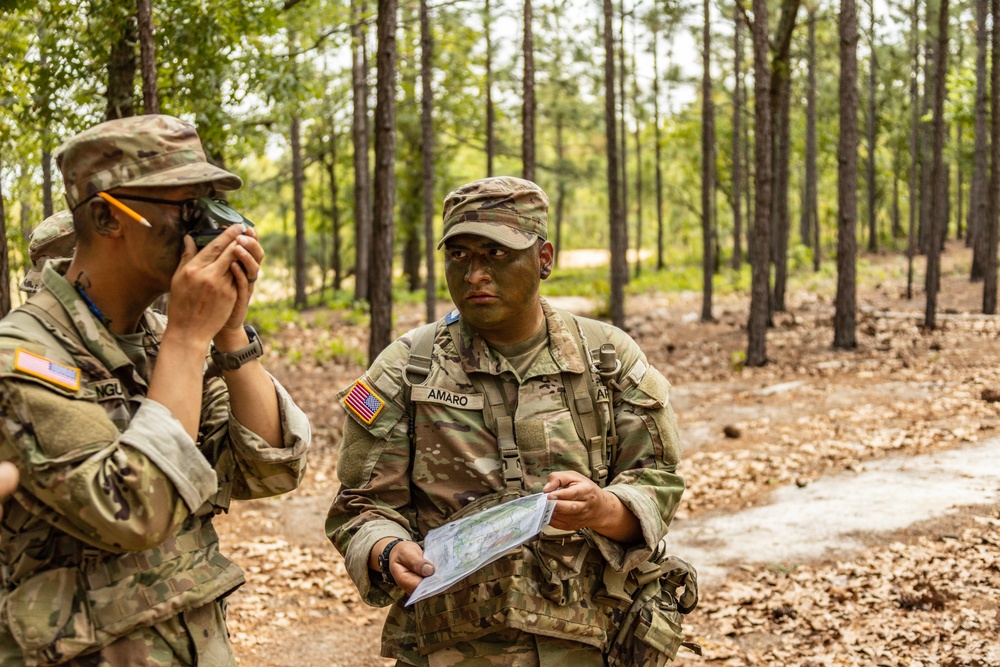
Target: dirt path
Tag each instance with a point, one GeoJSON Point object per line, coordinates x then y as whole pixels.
{"type": "Point", "coordinates": [811, 431]}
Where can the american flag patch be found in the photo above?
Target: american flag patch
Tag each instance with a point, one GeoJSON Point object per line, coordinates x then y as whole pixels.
{"type": "Point", "coordinates": [363, 402]}
{"type": "Point", "coordinates": [46, 369]}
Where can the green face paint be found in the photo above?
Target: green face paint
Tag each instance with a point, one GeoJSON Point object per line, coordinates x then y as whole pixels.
{"type": "Point", "coordinates": [494, 287]}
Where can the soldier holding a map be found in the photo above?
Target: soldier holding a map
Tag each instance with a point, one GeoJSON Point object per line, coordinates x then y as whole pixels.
{"type": "Point", "coordinates": [505, 397]}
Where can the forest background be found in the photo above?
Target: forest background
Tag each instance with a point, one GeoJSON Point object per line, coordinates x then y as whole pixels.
{"type": "Point", "coordinates": [702, 159]}
{"type": "Point", "coordinates": [705, 145]}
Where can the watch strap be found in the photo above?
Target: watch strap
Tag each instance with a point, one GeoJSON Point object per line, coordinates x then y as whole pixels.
{"type": "Point", "coordinates": [383, 561]}
{"type": "Point", "coordinates": [230, 361]}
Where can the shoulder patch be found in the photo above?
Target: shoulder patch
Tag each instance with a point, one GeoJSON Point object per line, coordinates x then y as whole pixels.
{"type": "Point", "coordinates": [452, 317]}
{"type": "Point", "coordinates": [364, 402]}
{"type": "Point", "coordinates": [40, 367]}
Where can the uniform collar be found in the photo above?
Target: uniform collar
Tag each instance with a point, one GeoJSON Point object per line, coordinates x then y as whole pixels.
{"type": "Point", "coordinates": [92, 332]}
{"type": "Point", "coordinates": [563, 354]}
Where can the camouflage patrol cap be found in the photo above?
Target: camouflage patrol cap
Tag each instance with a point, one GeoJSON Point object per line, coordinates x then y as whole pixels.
{"type": "Point", "coordinates": [150, 151]}
{"type": "Point", "coordinates": [508, 210]}
{"type": "Point", "coordinates": [54, 238]}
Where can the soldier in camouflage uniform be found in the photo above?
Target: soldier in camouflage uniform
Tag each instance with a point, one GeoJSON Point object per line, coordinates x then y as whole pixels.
{"type": "Point", "coordinates": [415, 456]}
{"type": "Point", "coordinates": [54, 238]}
{"type": "Point", "coordinates": [126, 441]}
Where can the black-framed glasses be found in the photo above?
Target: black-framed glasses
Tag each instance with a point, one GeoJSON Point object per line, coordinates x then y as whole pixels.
{"type": "Point", "coordinates": [188, 207]}
{"type": "Point", "coordinates": [203, 218]}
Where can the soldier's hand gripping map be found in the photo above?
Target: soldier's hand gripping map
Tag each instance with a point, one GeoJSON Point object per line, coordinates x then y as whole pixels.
{"type": "Point", "coordinates": [459, 548]}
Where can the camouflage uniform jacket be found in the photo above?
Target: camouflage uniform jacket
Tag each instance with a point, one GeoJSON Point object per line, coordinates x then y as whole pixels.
{"type": "Point", "coordinates": [111, 527]}
{"type": "Point", "coordinates": [395, 485]}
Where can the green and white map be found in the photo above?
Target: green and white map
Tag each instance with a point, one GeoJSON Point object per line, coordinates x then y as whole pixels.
{"type": "Point", "coordinates": [459, 548]}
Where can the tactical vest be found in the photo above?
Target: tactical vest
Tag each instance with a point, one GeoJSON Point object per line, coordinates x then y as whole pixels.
{"type": "Point", "coordinates": [556, 585]}
{"type": "Point", "coordinates": [63, 598]}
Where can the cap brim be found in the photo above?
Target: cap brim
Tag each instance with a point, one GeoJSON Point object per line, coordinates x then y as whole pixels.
{"type": "Point", "coordinates": [195, 172]}
{"type": "Point", "coordinates": [516, 239]}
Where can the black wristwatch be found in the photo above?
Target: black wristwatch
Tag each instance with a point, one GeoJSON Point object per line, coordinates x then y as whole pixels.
{"type": "Point", "coordinates": [383, 561]}
{"type": "Point", "coordinates": [230, 361]}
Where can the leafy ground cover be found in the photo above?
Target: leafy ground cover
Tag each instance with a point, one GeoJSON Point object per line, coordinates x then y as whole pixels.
{"type": "Point", "coordinates": [925, 595]}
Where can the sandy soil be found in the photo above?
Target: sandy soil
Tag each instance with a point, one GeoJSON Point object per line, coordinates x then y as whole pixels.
{"type": "Point", "coordinates": [923, 594]}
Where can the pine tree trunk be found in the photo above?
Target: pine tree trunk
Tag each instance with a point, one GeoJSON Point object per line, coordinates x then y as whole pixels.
{"type": "Point", "coordinates": [990, 228]}
{"type": "Point", "coordinates": [911, 247]}
{"type": "Point", "coordinates": [638, 163]}
{"type": "Point", "coordinates": [5, 296]}
{"type": "Point", "coordinates": [658, 147]}
{"type": "Point", "coordinates": [760, 240]}
{"type": "Point", "coordinates": [781, 141]}
{"type": "Point", "coordinates": [334, 210]}
{"type": "Point", "coordinates": [560, 184]}
{"type": "Point", "coordinates": [707, 165]}
{"type": "Point", "coordinates": [528, 106]}
{"type": "Point", "coordinates": [781, 225]}
{"type": "Point", "coordinates": [736, 202]}
{"type": "Point", "coordinates": [385, 181]}
{"type": "Point", "coordinates": [147, 57]}
{"type": "Point", "coordinates": [978, 205]}
{"type": "Point", "coordinates": [845, 316]}
{"type": "Point", "coordinates": [619, 264]}
{"type": "Point", "coordinates": [121, 74]}
{"type": "Point", "coordinates": [939, 177]}
{"type": "Point", "coordinates": [298, 189]}
{"type": "Point", "coordinates": [926, 139]}
{"type": "Point", "coordinates": [490, 113]}
{"type": "Point", "coordinates": [427, 158]}
{"type": "Point", "coordinates": [809, 204]}
{"type": "Point", "coordinates": [359, 136]}
{"type": "Point", "coordinates": [624, 137]}
{"type": "Point", "coordinates": [870, 120]}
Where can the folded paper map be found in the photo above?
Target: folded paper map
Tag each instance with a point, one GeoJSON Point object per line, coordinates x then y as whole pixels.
{"type": "Point", "coordinates": [459, 548]}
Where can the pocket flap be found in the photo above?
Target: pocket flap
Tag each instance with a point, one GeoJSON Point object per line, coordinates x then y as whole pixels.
{"type": "Point", "coordinates": [40, 607]}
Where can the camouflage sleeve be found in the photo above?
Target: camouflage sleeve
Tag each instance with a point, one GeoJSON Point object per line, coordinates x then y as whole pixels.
{"type": "Point", "coordinates": [373, 467]}
{"type": "Point", "coordinates": [644, 469]}
{"type": "Point", "coordinates": [244, 459]}
{"type": "Point", "coordinates": [116, 491]}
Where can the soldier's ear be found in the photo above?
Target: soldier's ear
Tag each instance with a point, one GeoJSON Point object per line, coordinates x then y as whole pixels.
{"type": "Point", "coordinates": [546, 257]}
{"type": "Point", "coordinates": [102, 218]}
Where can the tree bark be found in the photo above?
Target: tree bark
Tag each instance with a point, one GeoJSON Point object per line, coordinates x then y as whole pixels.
{"type": "Point", "coordinates": [147, 57]}
{"type": "Point", "coordinates": [5, 296]}
{"type": "Point", "coordinates": [707, 165]}
{"type": "Point", "coordinates": [810, 213]}
{"type": "Point", "coordinates": [845, 316]}
{"type": "Point", "coordinates": [926, 140]}
{"type": "Point", "coordinates": [870, 132]}
{"type": "Point", "coordinates": [780, 93]}
{"type": "Point", "coordinates": [624, 136]}
{"type": "Point", "coordinates": [528, 106]}
{"type": "Point", "coordinates": [737, 258]}
{"type": "Point", "coordinates": [298, 190]}
{"type": "Point", "coordinates": [490, 113]}
{"type": "Point", "coordinates": [331, 168]}
{"type": "Point", "coordinates": [760, 240]}
{"type": "Point", "coordinates": [619, 264]}
{"type": "Point", "coordinates": [359, 136]}
{"type": "Point", "coordinates": [638, 163]}
{"type": "Point", "coordinates": [658, 144]}
{"type": "Point", "coordinates": [427, 158]}
{"type": "Point", "coordinates": [121, 74]}
{"type": "Point", "coordinates": [911, 246]}
{"type": "Point", "coordinates": [560, 183]}
{"type": "Point", "coordinates": [939, 176]}
{"type": "Point", "coordinates": [385, 180]}
{"type": "Point", "coordinates": [978, 206]}
{"type": "Point", "coordinates": [990, 228]}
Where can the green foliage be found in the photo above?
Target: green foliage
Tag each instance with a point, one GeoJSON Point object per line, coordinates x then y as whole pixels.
{"type": "Point", "coordinates": [269, 318]}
